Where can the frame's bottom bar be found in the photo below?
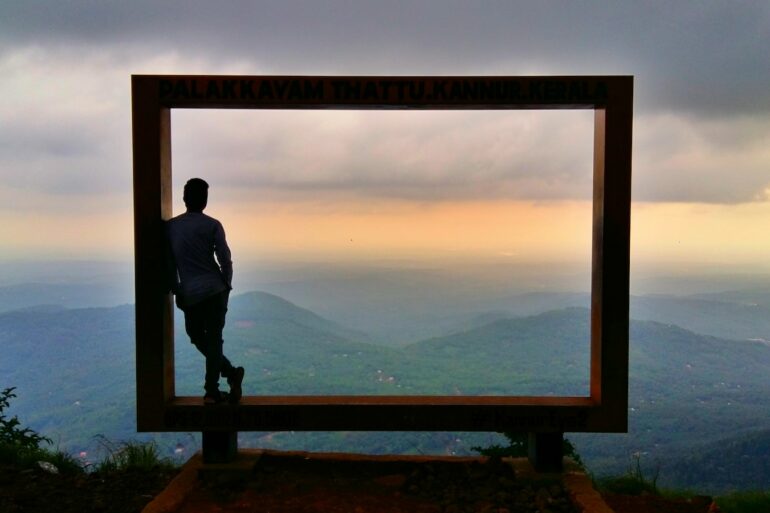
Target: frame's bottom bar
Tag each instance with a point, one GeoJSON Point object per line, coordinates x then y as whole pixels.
{"type": "Point", "coordinates": [391, 413]}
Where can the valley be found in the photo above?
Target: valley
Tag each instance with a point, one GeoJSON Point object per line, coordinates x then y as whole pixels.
{"type": "Point", "coordinates": [690, 394]}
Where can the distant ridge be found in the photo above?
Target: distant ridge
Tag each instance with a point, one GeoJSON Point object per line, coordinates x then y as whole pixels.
{"type": "Point", "coordinates": [713, 316]}
{"type": "Point", "coordinates": [69, 295]}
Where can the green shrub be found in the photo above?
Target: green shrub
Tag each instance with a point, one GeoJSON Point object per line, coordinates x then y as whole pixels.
{"type": "Point", "coordinates": [11, 432]}
{"type": "Point", "coordinates": [21, 446]}
{"type": "Point", "coordinates": [518, 447]}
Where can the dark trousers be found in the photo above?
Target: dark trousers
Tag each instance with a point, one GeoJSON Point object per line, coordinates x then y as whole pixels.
{"type": "Point", "coordinates": [204, 323]}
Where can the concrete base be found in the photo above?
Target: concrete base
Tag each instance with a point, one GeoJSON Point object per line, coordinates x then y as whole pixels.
{"type": "Point", "coordinates": [546, 451]}
{"type": "Point", "coordinates": [219, 446]}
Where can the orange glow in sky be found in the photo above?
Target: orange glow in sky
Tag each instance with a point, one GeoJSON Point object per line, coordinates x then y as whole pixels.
{"type": "Point", "coordinates": [512, 230]}
{"type": "Point", "coordinates": [400, 229]}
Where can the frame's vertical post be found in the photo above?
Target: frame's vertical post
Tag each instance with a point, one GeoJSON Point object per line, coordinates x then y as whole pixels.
{"type": "Point", "coordinates": [152, 204]}
{"type": "Point", "coordinates": [611, 253]}
{"type": "Point", "coordinates": [597, 258]}
{"type": "Point", "coordinates": [166, 212]}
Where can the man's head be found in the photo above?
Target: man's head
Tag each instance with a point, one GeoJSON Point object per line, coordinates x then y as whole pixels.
{"type": "Point", "coordinates": [196, 194]}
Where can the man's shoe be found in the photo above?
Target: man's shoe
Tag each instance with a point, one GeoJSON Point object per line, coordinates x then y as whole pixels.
{"type": "Point", "coordinates": [235, 382]}
{"type": "Point", "coordinates": [215, 398]}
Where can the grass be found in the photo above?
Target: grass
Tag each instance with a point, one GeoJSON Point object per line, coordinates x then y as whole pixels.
{"type": "Point", "coordinates": [745, 502]}
{"type": "Point", "coordinates": [627, 485]}
{"type": "Point", "coordinates": [633, 482]}
{"type": "Point", "coordinates": [29, 457]}
{"type": "Point", "coordinates": [122, 456]}
{"type": "Point", "coordinates": [131, 455]}
{"type": "Point", "coordinates": [123, 483]}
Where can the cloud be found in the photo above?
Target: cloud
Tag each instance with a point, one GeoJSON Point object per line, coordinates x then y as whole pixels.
{"type": "Point", "coordinates": [63, 130]}
{"type": "Point", "coordinates": [66, 115]}
{"type": "Point", "coordinates": [702, 102]}
{"type": "Point", "coordinates": [709, 60]}
{"type": "Point", "coordinates": [681, 159]}
{"type": "Point", "coordinates": [406, 155]}
{"type": "Point", "coordinates": [426, 156]}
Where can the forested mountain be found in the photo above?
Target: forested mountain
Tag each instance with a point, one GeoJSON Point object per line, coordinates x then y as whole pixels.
{"type": "Point", "coordinates": [732, 463]}
{"type": "Point", "coordinates": [74, 369]}
{"type": "Point", "coordinates": [547, 354]}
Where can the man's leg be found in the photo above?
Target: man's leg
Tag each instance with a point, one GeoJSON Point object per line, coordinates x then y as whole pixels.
{"type": "Point", "coordinates": [198, 324]}
{"type": "Point", "coordinates": [234, 375]}
{"type": "Point", "coordinates": [215, 324]}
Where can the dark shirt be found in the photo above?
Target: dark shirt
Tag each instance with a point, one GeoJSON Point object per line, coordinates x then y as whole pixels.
{"type": "Point", "coordinates": [195, 238]}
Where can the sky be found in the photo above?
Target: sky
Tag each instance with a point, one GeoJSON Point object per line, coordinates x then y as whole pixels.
{"type": "Point", "coordinates": [348, 184]}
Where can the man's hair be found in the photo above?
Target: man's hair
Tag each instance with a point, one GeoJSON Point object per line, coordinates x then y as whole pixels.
{"type": "Point", "coordinates": [196, 194]}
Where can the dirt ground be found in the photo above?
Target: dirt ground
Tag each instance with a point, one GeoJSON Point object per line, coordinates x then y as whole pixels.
{"type": "Point", "coordinates": [302, 484]}
{"type": "Point", "coordinates": [282, 483]}
{"type": "Point", "coordinates": [655, 504]}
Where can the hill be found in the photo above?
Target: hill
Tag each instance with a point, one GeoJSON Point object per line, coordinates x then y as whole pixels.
{"type": "Point", "coordinates": [288, 350]}
{"type": "Point", "coordinates": [74, 369]}
{"type": "Point", "coordinates": [270, 310]}
{"type": "Point", "coordinates": [546, 354]}
{"type": "Point", "coordinates": [732, 463]}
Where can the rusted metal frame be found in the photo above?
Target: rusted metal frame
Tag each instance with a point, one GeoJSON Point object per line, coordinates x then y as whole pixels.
{"type": "Point", "coordinates": [611, 255]}
{"type": "Point", "coordinates": [151, 133]}
{"type": "Point", "coordinates": [159, 410]}
{"type": "Point", "coordinates": [407, 414]}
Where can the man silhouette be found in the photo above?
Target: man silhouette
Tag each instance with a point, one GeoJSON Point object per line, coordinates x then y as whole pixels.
{"type": "Point", "coordinates": [202, 287]}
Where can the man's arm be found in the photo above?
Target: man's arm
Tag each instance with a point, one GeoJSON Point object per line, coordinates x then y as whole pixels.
{"type": "Point", "coordinates": [223, 254]}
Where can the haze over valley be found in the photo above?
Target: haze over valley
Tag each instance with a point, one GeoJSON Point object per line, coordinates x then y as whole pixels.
{"type": "Point", "coordinates": [407, 331]}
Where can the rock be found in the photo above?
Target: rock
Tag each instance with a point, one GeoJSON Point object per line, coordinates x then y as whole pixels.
{"type": "Point", "coordinates": [542, 498]}
{"type": "Point", "coordinates": [48, 467]}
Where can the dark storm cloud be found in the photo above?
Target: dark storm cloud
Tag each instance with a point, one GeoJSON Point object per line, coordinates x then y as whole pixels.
{"type": "Point", "coordinates": [707, 58]}
{"type": "Point", "coordinates": [702, 101]}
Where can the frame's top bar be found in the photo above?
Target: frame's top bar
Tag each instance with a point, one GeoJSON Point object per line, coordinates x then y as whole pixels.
{"type": "Point", "coordinates": [371, 92]}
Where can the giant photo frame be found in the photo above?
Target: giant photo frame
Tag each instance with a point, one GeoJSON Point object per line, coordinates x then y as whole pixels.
{"type": "Point", "coordinates": [604, 410]}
